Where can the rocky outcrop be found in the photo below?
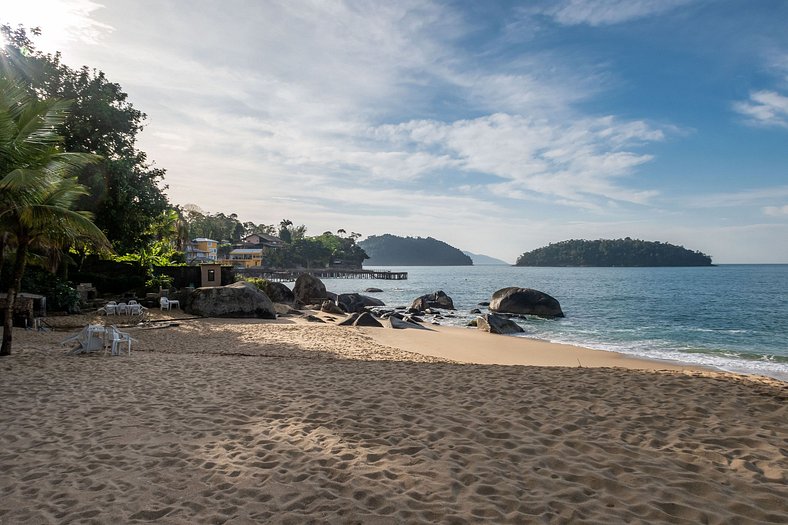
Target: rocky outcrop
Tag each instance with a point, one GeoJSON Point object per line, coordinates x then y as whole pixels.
{"type": "Point", "coordinates": [373, 290]}
{"type": "Point", "coordinates": [308, 289]}
{"type": "Point", "coordinates": [495, 324]}
{"type": "Point", "coordinates": [239, 299]}
{"type": "Point", "coordinates": [330, 308]}
{"type": "Point", "coordinates": [401, 324]}
{"type": "Point", "coordinates": [515, 300]}
{"type": "Point", "coordinates": [433, 300]}
{"type": "Point", "coordinates": [367, 319]}
{"type": "Point", "coordinates": [362, 319]}
{"type": "Point", "coordinates": [353, 302]}
{"type": "Point", "coordinates": [278, 292]}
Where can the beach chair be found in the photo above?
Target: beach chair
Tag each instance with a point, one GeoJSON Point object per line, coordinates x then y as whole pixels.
{"type": "Point", "coordinates": [135, 309]}
{"type": "Point", "coordinates": [115, 340]}
{"type": "Point", "coordinates": [89, 339]}
{"type": "Point", "coordinates": [110, 308]}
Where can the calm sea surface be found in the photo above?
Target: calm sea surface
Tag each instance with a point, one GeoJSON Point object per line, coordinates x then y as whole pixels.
{"type": "Point", "coordinates": [732, 317]}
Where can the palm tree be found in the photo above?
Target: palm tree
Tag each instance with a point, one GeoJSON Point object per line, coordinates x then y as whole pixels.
{"type": "Point", "coordinates": [37, 188]}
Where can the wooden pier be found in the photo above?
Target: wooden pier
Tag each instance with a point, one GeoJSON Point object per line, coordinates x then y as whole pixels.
{"type": "Point", "coordinates": [323, 273]}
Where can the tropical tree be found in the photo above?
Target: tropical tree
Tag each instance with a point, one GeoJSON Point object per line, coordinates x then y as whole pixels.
{"type": "Point", "coordinates": [38, 187]}
{"type": "Point", "coordinates": [126, 190]}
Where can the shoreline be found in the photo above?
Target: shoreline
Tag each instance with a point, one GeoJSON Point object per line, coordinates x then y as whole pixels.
{"type": "Point", "coordinates": [472, 346]}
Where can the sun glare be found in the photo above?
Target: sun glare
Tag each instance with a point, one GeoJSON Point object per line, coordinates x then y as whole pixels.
{"type": "Point", "coordinates": [61, 21]}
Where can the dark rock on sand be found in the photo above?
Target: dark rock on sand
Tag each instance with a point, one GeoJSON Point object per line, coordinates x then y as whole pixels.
{"type": "Point", "coordinates": [353, 302]}
{"type": "Point", "coordinates": [349, 321]}
{"type": "Point", "coordinates": [367, 319]}
{"type": "Point", "coordinates": [239, 299]}
{"type": "Point", "coordinates": [515, 300]}
{"type": "Point", "coordinates": [278, 292]}
{"type": "Point", "coordinates": [309, 289]}
{"type": "Point", "coordinates": [495, 324]}
{"type": "Point", "coordinates": [330, 308]}
{"type": "Point", "coordinates": [402, 324]}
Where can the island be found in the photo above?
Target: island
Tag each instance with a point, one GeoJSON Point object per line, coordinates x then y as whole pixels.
{"type": "Point", "coordinates": [392, 250]}
{"type": "Point", "coordinates": [613, 252]}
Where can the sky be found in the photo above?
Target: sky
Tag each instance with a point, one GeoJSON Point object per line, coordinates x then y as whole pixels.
{"type": "Point", "coordinates": [497, 127]}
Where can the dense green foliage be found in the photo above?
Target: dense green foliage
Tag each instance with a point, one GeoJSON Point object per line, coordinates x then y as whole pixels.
{"type": "Point", "coordinates": [619, 252]}
{"type": "Point", "coordinates": [220, 227]}
{"type": "Point", "coordinates": [124, 189]}
{"type": "Point", "coordinates": [61, 297]}
{"type": "Point", "coordinates": [320, 251]}
{"type": "Point", "coordinates": [391, 250]}
{"type": "Point", "coordinates": [38, 189]}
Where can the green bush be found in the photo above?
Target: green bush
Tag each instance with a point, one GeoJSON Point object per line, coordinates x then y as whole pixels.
{"type": "Point", "coordinates": [60, 296]}
{"type": "Point", "coordinates": [159, 281]}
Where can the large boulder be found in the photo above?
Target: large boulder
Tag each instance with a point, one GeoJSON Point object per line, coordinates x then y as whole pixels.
{"type": "Point", "coordinates": [515, 300]}
{"type": "Point", "coordinates": [401, 324]}
{"type": "Point", "coordinates": [278, 292]}
{"type": "Point", "coordinates": [495, 324]}
{"type": "Point", "coordinates": [433, 300]}
{"type": "Point", "coordinates": [353, 302]}
{"type": "Point", "coordinates": [239, 299]}
{"type": "Point", "coordinates": [367, 319]}
{"type": "Point", "coordinates": [362, 319]}
{"type": "Point", "coordinates": [308, 289]}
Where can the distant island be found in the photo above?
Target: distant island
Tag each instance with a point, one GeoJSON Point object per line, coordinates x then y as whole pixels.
{"type": "Point", "coordinates": [391, 250]}
{"type": "Point", "coordinates": [484, 260]}
{"type": "Point", "coordinates": [617, 252]}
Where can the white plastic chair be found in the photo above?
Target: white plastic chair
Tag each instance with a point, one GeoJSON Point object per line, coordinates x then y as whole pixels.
{"type": "Point", "coordinates": [133, 302]}
{"type": "Point", "coordinates": [92, 338]}
{"type": "Point", "coordinates": [135, 309]}
{"type": "Point", "coordinates": [111, 308]}
{"type": "Point", "coordinates": [122, 308]}
{"type": "Point", "coordinates": [164, 303]}
{"type": "Point", "coordinates": [115, 340]}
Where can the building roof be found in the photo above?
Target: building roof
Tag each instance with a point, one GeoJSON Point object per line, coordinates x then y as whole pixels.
{"type": "Point", "coordinates": [253, 251]}
{"type": "Point", "coordinates": [265, 238]}
{"type": "Point", "coordinates": [203, 239]}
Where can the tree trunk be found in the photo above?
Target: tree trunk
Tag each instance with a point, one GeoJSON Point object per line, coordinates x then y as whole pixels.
{"type": "Point", "coordinates": [8, 320]}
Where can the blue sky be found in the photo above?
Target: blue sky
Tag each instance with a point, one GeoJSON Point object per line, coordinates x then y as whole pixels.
{"type": "Point", "coordinates": [497, 127]}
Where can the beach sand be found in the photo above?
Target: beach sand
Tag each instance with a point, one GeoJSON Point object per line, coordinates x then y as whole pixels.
{"type": "Point", "coordinates": [233, 421]}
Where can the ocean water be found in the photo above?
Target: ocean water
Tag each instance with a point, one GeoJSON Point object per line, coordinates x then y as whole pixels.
{"type": "Point", "coordinates": [730, 317]}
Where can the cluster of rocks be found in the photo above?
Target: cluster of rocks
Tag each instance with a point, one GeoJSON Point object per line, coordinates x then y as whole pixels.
{"type": "Point", "coordinates": [243, 299]}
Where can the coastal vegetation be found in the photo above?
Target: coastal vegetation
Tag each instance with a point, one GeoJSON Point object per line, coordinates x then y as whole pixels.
{"type": "Point", "coordinates": [38, 191]}
{"type": "Point", "coordinates": [392, 250]}
{"type": "Point", "coordinates": [616, 252]}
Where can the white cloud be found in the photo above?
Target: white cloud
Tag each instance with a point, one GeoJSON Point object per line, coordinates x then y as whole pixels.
{"type": "Point", "coordinates": [765, 108]}
{"type": "Point", "coordinates": [776, 211]}
{"type": "Point", "coordinates": [751, 197]}
{"type": "Point", "coordinates": [606, 12]}
{"type": "Point", "coordinates": [538, 156]}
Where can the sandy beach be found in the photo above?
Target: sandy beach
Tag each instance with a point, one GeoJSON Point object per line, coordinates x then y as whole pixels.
{"type": "Point", "coordinates": [236, 421]}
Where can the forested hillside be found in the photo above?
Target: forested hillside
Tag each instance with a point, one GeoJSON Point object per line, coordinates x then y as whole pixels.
{"type": "Point", "coordinates": [391, 250]}
{"type": "Point", "coordinates": [618, 252]}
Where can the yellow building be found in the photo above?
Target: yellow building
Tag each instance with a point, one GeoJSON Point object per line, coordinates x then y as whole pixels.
{"type": "Point", "coordinates": [245, 257]}
{"type": "Point", "coordinates": [201, 250]}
